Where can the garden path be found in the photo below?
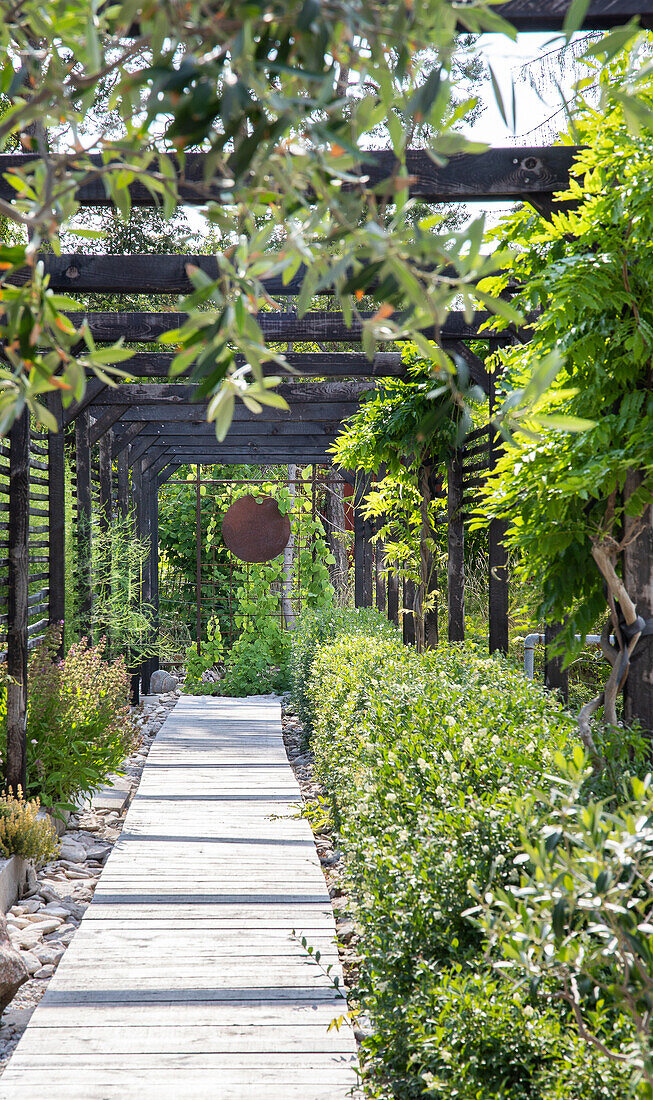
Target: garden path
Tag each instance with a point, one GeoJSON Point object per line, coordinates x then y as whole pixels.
{"type": "Point", "coordinates": [184, 979]}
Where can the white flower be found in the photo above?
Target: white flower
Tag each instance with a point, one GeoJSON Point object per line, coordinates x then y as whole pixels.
{"type": "Point", "coordinates": [441, 793]}
{"type": "Point", "coordinates": [504, 790]}
{"type": "Point", "coordinates": [500, 860]}
{"type": "Point", "coordinates": [448, 757]}
{"type": "Point", "coordinates": [529, 1011]}
{"type": "Point", "coordinates": [468, 747]}
{"type": "Point", "coordinates": [496, 741]}
{"type": "Point", "coordinates": [455, 777]}
{"type": "Point", "coordinates": [449, 721]}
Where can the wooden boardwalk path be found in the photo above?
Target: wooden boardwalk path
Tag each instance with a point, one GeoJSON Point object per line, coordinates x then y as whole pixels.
{"type": "Point", "coordinates": [184, 979]}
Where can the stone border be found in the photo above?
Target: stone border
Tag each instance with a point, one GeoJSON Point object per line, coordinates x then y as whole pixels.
{"type": "Point", "coordinates": [44, 920]}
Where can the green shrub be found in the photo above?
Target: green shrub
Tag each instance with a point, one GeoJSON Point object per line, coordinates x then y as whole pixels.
{"type": "Point", "coordinates": [79, 727]}
{"type": "Point", "coordinates": [23, 833]}
{"type": "Point", "coordinates": [424, 759]}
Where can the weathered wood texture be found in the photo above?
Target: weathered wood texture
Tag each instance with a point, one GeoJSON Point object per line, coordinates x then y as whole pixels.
{"type": "Point", "coordinates": [187, 977]}
{"type": "Point", "coordinates": [18, 599]}
{"type": "Point", "coordinates": [334, 364]}
{"type": "Point", "coordinates": [393, 597]}
{"type": "Point", "coordinates": [363, 550]}
{"type": "Point", "coordinates": [84, 510]}
{"type": "Point", "coordinates": [548, 15]}
{"type": "Point", "coordinates": [555, 677]}
{"type": "Point", "coordinates": [455, 550]}
{"type": "Point", "coordinates": [408, 613]}
{"type": "Point", "coordinates": [498, 174]}
{"type": "Point", "coordinates": [319, 325]}
{"type": "Point", "coordinates": [56, 515]}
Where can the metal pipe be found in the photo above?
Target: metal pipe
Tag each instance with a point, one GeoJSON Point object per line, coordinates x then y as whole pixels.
{"type": "Point", "coordinates": [531, 640]}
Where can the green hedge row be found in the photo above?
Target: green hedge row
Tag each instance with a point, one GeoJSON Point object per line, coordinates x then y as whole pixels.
{"type": "Point", "coordinates": [423, 758]}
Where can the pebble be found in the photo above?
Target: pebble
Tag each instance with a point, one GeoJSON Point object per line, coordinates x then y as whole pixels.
{"type": "Point", "coordinates": [44, 972]}
{"type": "Point", "coordinates": [32, 961]}
{"type": "Point", "coordinates": [72, 851]}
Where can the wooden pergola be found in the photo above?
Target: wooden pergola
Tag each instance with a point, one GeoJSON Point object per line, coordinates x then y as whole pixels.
{"type": "Point", "coordinates": [130, 439]}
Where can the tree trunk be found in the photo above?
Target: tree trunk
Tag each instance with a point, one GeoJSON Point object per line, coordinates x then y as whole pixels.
{"type": "Point", "coordinates": [638, 580]}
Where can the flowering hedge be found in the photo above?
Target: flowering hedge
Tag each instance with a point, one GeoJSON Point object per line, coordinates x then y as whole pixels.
{"type": "Point", "coordinates": [424, 759]}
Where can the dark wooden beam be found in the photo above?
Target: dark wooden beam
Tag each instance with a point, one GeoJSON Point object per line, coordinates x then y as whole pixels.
{"type": "Point", "coordinates": [18, 604]}
{"type": "Point", "coordinates": [93, 389]}
{"type": "Point", "coordinates": [169, 471]}
{"type": "Point", "coordinates": [137, 450]}
{"type": "Point", "coordinates": [106, 503]}
{"type": "Point", "coordinates": [178, 393]}
{"type": "Point", "coordinates": [498, 174]}
{"type": "Point", "coordinates": [556, 678]}
{"type": "Point", "coordinates": [125, 438]}
{"type": "Point", "coordinates": [175, 431]}
{"type": "Point", "coordinates": [83, 527]}
{"type": "Point", "coordinates": [332, 412]}
{"type": "Point", "coordinates": [56, 517]}
{"type": "Point", "coordinates": [455, 550]}
{"type": "Point", "coordinates": [106, 422]}
{"type": "Point", "coordinates": [336, 364]}
{"type": "Point", "coordinates": [363, 531]}
{"type": "Point", "coordinates": [122, 467]}
{"type": "Point", "coordinates": [548, 15]}
{"type": "Point", "coordinates": [393, 597]}
{"type": "Point", "coordinates": [315, 327]}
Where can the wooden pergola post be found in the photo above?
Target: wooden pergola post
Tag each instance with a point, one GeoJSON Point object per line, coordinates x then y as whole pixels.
{"type": "Point", "coordinates": [122, 494]}
{"type": "Point", "coordinates": [498, 594]}
{"type": "Point", "coordinates": [555, 677]}
{"type": "Point", "coordinates": [56, 518]}
{"type": "Point", "coordinates": [18, 602]}
{"type": "Point", "coordinates": [84, 518]}
{"type": "Point", "coordinates": [408, 614]}
{"type": "Point", "coordinates": [393, 597]}
{"type": "Point", "coordinates": [362, 544]}
{"type": "Point", "coordinates": [455, 549]}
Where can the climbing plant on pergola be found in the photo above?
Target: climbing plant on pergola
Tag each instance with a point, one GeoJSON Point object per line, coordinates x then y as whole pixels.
{"type": "Point", "coordinates": [225, 320]}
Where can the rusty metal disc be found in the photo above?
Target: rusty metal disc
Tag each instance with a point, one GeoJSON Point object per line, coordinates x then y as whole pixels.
{"type": "Point", "coordinates": [254, 529]}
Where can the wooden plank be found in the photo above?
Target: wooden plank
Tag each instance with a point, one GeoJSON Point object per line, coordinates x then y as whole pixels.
{"type": "Point", "coordinates": [106, 421]}
{"type": "Point", "coordinates": [84, 518]}
{"type": "Point", "coordinates": [331, 412]}
{"type": "Point", "coordinates": [124, 436]}
{"type": "Point", "coordinates": [534, 15]}
{"type": "Point", "coordinates": [498, 174]}
{"type": "Point", "coordinates": [57, 515]}
{"type": "Point", "coordinates": [317, 326]}
{"type": "Point", "coordinates": [178, 393]}
{"type": "Point", "coordinates": [455, 550]}
{"type": "Point", "coordinates": [348, 364]}
{"type": "Point", "coordinates": [17, 606]}
{"type": "Point", "coordinates": [556, 678]}
{"type": "Point", "coordinates": [180, 432]}
{"type": "Point", "coordinates": [185, 967]}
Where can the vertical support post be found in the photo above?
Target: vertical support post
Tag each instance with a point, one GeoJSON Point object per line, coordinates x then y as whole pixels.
{"type": "Point", "coordinates": [426, 632]}
{"type": "Point", "coordinates": [83, 468]}
{"type": "Point", "coordinates": [497, 556]}
{"type": "Point", "coordinates": [122, 500]}
{"type": "Point", "coordinates": [393, 597]}
{"type": "Point", "coordinates": [408, 614]}
{"type": "Point", "coordinates": [154, 567]}
{"type": "Point", "coordinates": [106, 502]}
{"type": "Point", "coordinates": [56, 517]}
{"type": "Point", "coordinates": [17, 632]}
{"type": "Point", "coordinates": [198, 563]}
{"type": "Point", "coordinates": [143, 521]}
{"type": "Point", "coordinates": [379, 572]}
{"type": "Point", "coordinates": [362, 545]}
{"type": "Point", "coordinates": [555, 677]}
{"type": "Point", "coordinates": [455, 549]}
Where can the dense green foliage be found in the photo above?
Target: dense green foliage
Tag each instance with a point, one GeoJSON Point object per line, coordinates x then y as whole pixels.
{"type": "Point", "coordinates": [588, 271]}
{"type": "Point", "coordinates": [425, 759]}
{"type": "Point", "coordinates": [580, 918]}
{"type": "Point", "coordinates": [79, 728]}
{"type": "Point", "coordinates": [265, 90]}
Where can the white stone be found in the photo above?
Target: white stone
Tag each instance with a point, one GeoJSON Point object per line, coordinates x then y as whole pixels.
{"type": "Point", "coordinates": [44, 972]}
{"type": "Point", "coordinates": [32, 962]}
{"type": "Point", "coordinates": [46, 923]}
{"type": "Point", "coordinates": [72, 851]}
